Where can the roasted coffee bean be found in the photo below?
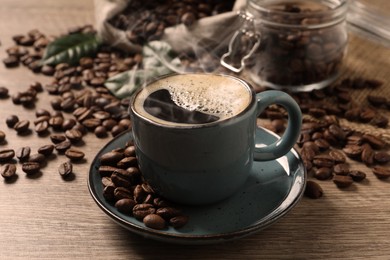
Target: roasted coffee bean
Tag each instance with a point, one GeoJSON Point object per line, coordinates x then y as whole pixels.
{"type": "Point", "coordinates": [73, 135]}
{"type": "Point", "coordinates": [46, 150]}
{"type": "Point", "coordinates": [120, 180]}
{"type": "Point", "coordinates": [8, 170]}
{"type": "Point", "coordinates": [111, 158]}
{"type": "Point", "coordinates": [11, 61]}
{"type": "Point", "coordinates": [353, 151]}
{"type": "Point", "coordinates": [313, 190]}
{"type": "Point", "coordinates": [381, 172]}
{"type": "Point", "coordinates": [68, 124]}
{"type": "Point", "coordinates": [126, 123]}
{"type": "Point", "coordinates": [106, 181]}
{"type": "Point", "coordinates": [129, 151]}
{"type": "Point", "coordinates": [116, 130]}
{"type": "Point", "coordinates": [127, 162]}
{"type": "Point", "coordinates": [100, 132]}
{"type": "Point", "coordinates": [80, 128]}
{"type": "Point", "coordinates": [323, 160]}
{"type": "Point", "coordinates": [31, 167]}
{"type": "Point", "coordinates": [139, 194]}
{"type": "Point", "coordinates": [179, 221]}
{"type": "Point", "coordinates": [367, 155]}
{"type": "Point", "coordinates": [57, 138]}
{"type": "Point", "coordinates": [337, 132]}
{"type": "Point", "coordinates": [337, 156]}
{"type": "Point", "coordinates": [341, 169]}
{"type": "Point", "coordinates": [40, 119]}
{"type": "Point", "coordinates": [106, 170]}
{"type": "Point", "coordinates": [2, 136]}
{"type": "Point", "coordinates": [23, 153]}
{"type": "Point", "coordinates": [382, 157]}
{"type": "Point", "coordinates": [63, 146]}
{"type": "Point", "coordinates": [22, 126]}
{"type": "Point", "coordinates": [37, 86]}
{"type": "Point", "coordinates": [65, 169]}
{"type": "Point", "coordinates": [374, 141]}
{"type": "Point", "coordinates": [39, 158]}
{"type": "Point", "coordinates": [56, 122]}
{"type": "Point", "coordinates": [3, 92]}
{"type": "Point", "coordinates": [42, 127]}
{"type": "Point", "coordinates": [322, 144]}
{"type": "Point", "coordinates": [109, 124]}
{"type": "Point", "coordinates": [122, 193]}
{"type": "Point", "coordinates": [357, 175]}
{"type": "Point", "coordinates": [11, 120]}
{"type": "Point", "coordinates": [142, 210]}
{"type": "Point", "coordinates": [108, 193]}
{"type": "Point", "coordinates": [91, 123]}
{"type": "Point", "coordinates": [154, 221]}
{"type": "Point", "coordinates": [168, 212]}
{"type": "Point", "coordinates": [6, 154]}
{"type": "Point", "coordinates": [74, 154]}
{"type": "Point", "coordinates": [342, 181]}
{"type": "Point", "coordinates": [323, 173]}
{"type": "Point", "coordinates": [125, 205]}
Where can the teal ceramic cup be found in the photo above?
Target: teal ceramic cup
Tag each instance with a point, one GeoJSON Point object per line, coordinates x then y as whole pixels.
{"type": "Point", "coordinates": [204, 153]}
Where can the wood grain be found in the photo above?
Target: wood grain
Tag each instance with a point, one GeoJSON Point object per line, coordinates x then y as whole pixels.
{"type": "Point", "coordinates": [46, 217]}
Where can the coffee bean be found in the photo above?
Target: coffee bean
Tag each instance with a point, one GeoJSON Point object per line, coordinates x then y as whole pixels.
{"type": "Point", "coordinates": [341, 169]}
{"type": "Point", "coordinates": [100, 132]}
{"type": "Point", "coordinates": [74, 154]}
{"type": "Point", "coordinates": [106, 181]}
{"type": "Point", "coordinates": [46, 150]}
{"type": "Point", "coordinates": [116, 130]}
{"type": "Point", "coordinates": [11, 120]}
{"type": "Point", "coordinates": [382, 157]}
{"type": "Point", "coordinates": [142, 210]}
{"type": "Point", "coordinates": [108, 193]}
{"type": "Point", "coordinates": [65, 169]}
{"type": "Point", "coordinates": [154, 221]}
{"type": "Point", "coordinates": [179, 221]}
{"type": "Point", "coordinates": [353, 151]}
{"type": "Point", "coordinates": [125, 205]}
{"type": "Point", "coordinates": [42, 127]}
{"type": "Point", "coordinates": [381, 172]}
{"type": "Point", "coordinates": [73, 135]}
{"type": "Point", "coordinates": [106, 170]}
{"type": "Point", "coordinates": [39, 158]}
{"type": "Point", "coordinates": [127, 162]}
{"type": "Point", "coordinates": [22, 126]}
{"type": "Point", "coordinates": [323, 161]}
{"type": "Point", "coordinates": [2, 136]}
{"type": "Point", "coordinates": [122, 193]}
{"type": "Point", "coordinates": [11, 61]}
{"type": "Point", "coordinates": [337, 156]}
{"type": "Point", "coordinates": [6, 154]}
{"type": "Point", "coordinates": [129, 151]}
{"type": "Point", "coordinates": [31, 167]}
{"type": "Point", "coordinates": [342, 181]}
{"type": "Point", "coordinates": [63, 146]}
{"type": "Point", "coordinates": [8, 170]}
{"type": "Point", "coordinates": [56, 122]}
{"type": "Point", "coordinates": [111, 158]}
{"type": "Point", "coordinates": [357, 175]}
{"type": "Point", "coordinates": [68, 124]}
{"type": "Point", "coordinates": [374, 141]}
{"type": "Point", "coordinates": [168, 212]}
{"type": "Point", "coordinates": [323, 173]}
{"type": "Point", "coordinates": [23, 153]}
{"type": "Point", "coordinates": [313, 190]}
{"type": "Point", "coordinates": [3, 92]}
{"type": "Point", "coordinates": [367, 155]}
{"type": "Point", "coordinates": [57, 138]}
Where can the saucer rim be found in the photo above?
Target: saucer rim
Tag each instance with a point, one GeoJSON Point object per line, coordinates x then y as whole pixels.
{"type": "Point", "coordinates": [167, 236]}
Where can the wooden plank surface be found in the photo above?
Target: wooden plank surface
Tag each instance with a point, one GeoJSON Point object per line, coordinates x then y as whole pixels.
{"type": "Point", "coordinates": [48, 218]}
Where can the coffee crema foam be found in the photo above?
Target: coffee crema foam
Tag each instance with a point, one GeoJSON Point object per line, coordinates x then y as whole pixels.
{"type": "Point", "coordinates": [215, 95]}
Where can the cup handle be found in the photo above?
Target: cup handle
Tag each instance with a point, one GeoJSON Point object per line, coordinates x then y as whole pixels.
{"type": "Point", "coordinates": [290, 136]}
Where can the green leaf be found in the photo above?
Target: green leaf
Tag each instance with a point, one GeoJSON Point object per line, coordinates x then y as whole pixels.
{"type": "Point", "coordinates": [70, 48]}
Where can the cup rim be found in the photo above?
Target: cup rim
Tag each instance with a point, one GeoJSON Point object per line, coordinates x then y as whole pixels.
{"type": "Point", "coordinates": [232, 119]}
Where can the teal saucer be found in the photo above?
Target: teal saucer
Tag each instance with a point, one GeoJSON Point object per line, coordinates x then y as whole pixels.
{"type": "Point", "coordinates": [271, 191]}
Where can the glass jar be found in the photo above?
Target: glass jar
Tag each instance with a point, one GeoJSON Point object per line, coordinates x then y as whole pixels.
{"type": "Point", "coordinates": [297, 45]}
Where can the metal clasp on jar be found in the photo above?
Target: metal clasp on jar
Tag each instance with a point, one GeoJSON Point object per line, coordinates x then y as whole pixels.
{"type": "Point", "coordinates": [242, 45]}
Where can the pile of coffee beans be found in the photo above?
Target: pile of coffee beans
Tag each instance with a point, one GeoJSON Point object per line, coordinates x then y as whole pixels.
{"type": "Point", "coordinates": [292, 52]}
{"type": "Point", "coordinates": [145, 21]}
{"type": "Point", "coordinates": [325, 145]}
{"type": "Point", "coordinates": [125, 188]}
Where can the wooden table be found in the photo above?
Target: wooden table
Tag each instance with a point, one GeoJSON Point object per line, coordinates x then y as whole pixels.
{"type": "Point", "coordinates": [49, 218]}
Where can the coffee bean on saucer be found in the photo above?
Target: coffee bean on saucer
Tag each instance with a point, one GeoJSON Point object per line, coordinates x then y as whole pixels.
{"type": "Point", "coordinates": [125, 205]}
{"type": "Point", "coordinates": [142, 210]}
{"type": "Point", "coordinates": [178, 221]}
{"type": "Point", "coordinates": [8, 170]}
{"type": "Point", "coordinates": [154, 221]}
